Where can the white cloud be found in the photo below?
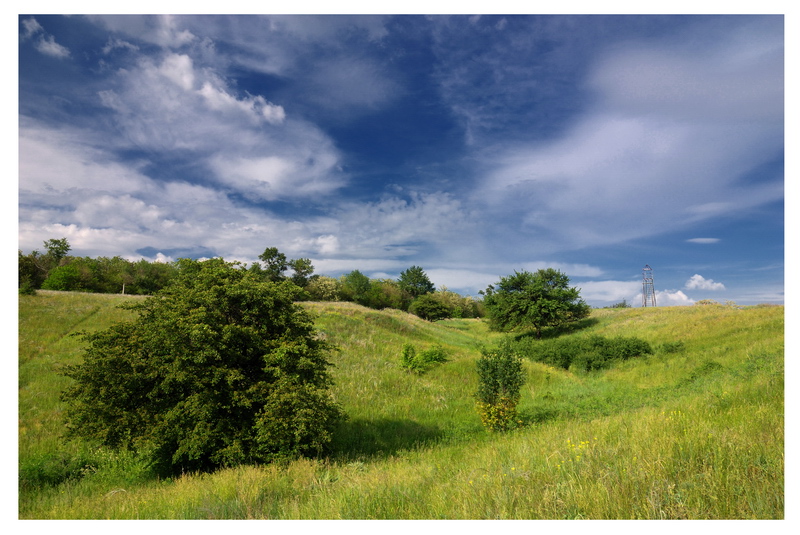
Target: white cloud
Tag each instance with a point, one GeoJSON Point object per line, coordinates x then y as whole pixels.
{"type": "Point", "coordinates": [656, 151]}
{"type": "Point", "coordinates": [611, 291]}
{"type": "Point", "coordinates": [703, 240]}
{"type": "Point", "coordinates": [697, 282]}
{"type": "Point", "coordinates": [671, 298]}
{"type": "Point", "coordinates": [31, 27]}
{"type": "Point", "coordinates": [45, 43]}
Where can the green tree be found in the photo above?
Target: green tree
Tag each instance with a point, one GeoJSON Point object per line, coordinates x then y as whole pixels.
{"type": "Point", "coordinates": [64, 278]}
{"type": "Point", "coordinates": [303, 269]}
{"type": "Point", "coordinates": [527, 300]}
{"type": "Point", "coordinates": [218, 369]}
{"type": "Point", "coordinates": [500, 378]}
{"type": "Point", "coordinates": [356, 287]}
{"type": "Point", "coordinates": [275, 263]}
{"type": "Point", "coordinates": [57, 249]}
{"type": "Point", "coordinates": [428, 307]}
{"type": "Point", "coordinates": [415, 281]}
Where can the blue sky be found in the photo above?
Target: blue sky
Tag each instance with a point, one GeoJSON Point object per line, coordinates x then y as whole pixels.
{"type": "Point", "coordinates": [470, 146]}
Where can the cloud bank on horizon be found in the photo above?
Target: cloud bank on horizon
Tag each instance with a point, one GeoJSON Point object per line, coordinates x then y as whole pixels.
{"type": "Point", "coordinates": [471, 146]}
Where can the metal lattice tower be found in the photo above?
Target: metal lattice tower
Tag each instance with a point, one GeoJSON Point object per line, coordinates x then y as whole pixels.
{"type": "Point", "coordinates": [648, 292]}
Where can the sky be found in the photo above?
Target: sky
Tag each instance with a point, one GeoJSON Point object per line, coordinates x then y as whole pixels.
{"type": "Point", "coordinates": [471, 146]}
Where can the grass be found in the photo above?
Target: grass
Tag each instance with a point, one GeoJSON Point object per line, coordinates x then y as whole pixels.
{"type": "Point", "coordinates": [693, 431]}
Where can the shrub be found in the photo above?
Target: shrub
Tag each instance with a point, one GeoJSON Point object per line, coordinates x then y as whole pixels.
{"type": "Point", "coordinates": [63, 278]}
{"type": "Point", "coordinates": [589, 353]}
{"type": "Point", "coordinates": [500, 378]}
{"type": "Point", "coordinates": [429, 308]}
{"type": "Point", "coordinates": [420, 362]}
{"type": "Point", "coordinates": [220, 368]}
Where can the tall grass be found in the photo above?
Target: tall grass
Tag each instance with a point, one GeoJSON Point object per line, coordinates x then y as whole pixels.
{"type": "Point", "coordinates": [693, 431]}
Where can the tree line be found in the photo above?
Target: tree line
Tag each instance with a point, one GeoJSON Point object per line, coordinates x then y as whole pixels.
{"type": "Point", "coordinates": [413, 291]}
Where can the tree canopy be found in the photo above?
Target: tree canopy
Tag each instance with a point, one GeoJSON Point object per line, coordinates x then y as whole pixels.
{"type": "Point", "coordinates": [415, 281]}
{"type": "Point", "coordinates": [219, 368]}
{"type": "Point", "coordinates": [533, 301]}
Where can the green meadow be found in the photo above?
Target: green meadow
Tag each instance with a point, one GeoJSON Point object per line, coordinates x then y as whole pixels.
{"type": "Point", "coordinates": [694, 430]}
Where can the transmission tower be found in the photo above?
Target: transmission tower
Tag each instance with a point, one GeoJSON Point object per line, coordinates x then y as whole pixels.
{"type": "Point", "coordinates": [648, 292]}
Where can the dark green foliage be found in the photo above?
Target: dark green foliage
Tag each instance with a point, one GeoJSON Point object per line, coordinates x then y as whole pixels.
{"type": "Point", "coordinates": [673, 347]}
{"type": "Point", "coordinates": [500, 378]}
{"type": "Point", "coordinates": [422, 361]}
{"type": "Point", "coordinates": [57, 249]}
{"type": "Point", "coordinates": [302, 271]}
{"type": "Point", "coordinates": [275, 263]}
{"type": "Point", "coordinates": [428, 307]}
{"type": "Point", "coordinates": [527, 300]}
{"type": "Point", "coordinates": [355, 287]}
{"type": "Point", "coordinates": [201, 377]}
{"type": "Point", "coordinates": [586, 353]}
{"type": "Point", "coordinates": [415, 281]}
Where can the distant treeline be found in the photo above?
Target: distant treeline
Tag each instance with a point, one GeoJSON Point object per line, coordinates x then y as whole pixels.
{"type": "Point", "coordinates": [55, 269]}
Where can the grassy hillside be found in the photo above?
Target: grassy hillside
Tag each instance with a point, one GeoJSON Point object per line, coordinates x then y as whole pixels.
{"type": "Point", "coordinates": [693, 431]}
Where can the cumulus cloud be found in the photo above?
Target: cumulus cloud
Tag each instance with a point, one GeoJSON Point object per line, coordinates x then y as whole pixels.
{"type": "Point", "coordinates": [671, 298]}
{"type": "Point", "coordinates": [697, 282]}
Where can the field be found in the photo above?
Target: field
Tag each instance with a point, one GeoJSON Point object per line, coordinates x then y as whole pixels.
{"type": "Point", "coordinates": [695, 430]}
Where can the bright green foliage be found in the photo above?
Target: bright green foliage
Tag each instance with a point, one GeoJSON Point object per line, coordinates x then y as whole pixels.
{"type": "Point", "coordinates": [415, 281]}
{"type": "Point", "coordinates": [527, 300]}
{"type": "Point", "coordinates": [64, 278]}
{"type": "Point", "coordinates": [218, 369]}
{"type": "Point", "coordinates": [321, 288]}
{"type": "Point", "coordinates": [500, 378]}
{"type": "Point", "coordinates": [422, 361]}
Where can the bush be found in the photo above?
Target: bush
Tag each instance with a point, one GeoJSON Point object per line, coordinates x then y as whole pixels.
{"type": "Point", "coordinates": [220, 368]}
{"type": "Point", "coordinates": [500, 378]}
{"type": "Point", "coordinates": [420, 362]}
{"type": "Point", "coordinates": [429, 308]}
{"type": "Point", "coordinates": [589, 353]}
{"type": "Point", "coordinates": [63, 278]}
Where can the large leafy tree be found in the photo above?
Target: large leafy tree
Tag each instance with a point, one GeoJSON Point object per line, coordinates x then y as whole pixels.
{"type": "Point", "coordinates": [528, 300]}
{"type": "Point", "coordinates": [218, 369]}
{"type": "Point", "coordinates": [415, 281]}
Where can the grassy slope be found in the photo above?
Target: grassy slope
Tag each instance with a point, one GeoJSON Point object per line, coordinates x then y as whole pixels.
{"type": "Point", "coordinates": [697, 433]}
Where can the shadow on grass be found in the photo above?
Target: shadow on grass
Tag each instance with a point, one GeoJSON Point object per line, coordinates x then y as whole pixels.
{"type": "Point", "coordinates": [381, 438]}
{"type": "Point", "coordinates": [560, 330]}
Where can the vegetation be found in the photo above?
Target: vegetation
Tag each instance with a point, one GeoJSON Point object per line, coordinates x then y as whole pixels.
{"type": "Point", "coordinates": [421, 361]}
{"type": "Point", "coordinates": [218, 369]}
{"type": "Point", "coordinates": [500, 378]}
{"type": "Point", "coordinates": [694, 429]}
{"type": "Point", "coordinates": [413, 291]}
{"type": "Point", "coordinates": [527, 300]}
{"type": "Point", "coordinates": [588, 353]}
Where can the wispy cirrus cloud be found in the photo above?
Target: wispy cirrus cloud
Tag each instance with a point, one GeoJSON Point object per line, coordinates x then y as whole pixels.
{"type": "Point", "coordinates": [44, 42]}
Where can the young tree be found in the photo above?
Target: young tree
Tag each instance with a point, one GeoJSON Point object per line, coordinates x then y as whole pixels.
{"type": "Point", "coordinates": [57, 249]}
{"type": "Point", "coordinates": [500, 378]}
{"type": "Point", "coordinates": [356, 287]}
{"type": "Point", "coordinates": [527, 300]}
{"type": "Point", "coordinates": [275, 263]}
{"type": "Point", "coordinates": [218, 369]}
{"type": "Point", "coordinates": [416, 282]}
{"type": "Point", "coordinates": [303, 269]}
